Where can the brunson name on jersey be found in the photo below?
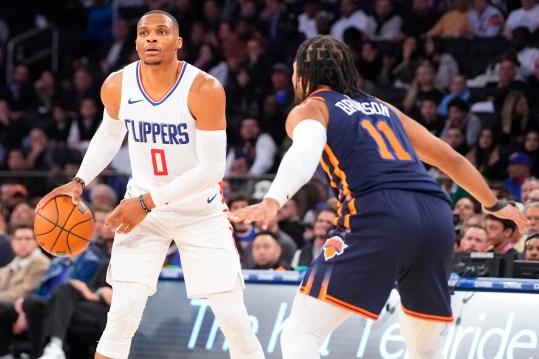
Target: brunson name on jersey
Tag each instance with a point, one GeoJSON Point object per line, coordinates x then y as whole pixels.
{"type": "Point", "coordinates": [368, 108]}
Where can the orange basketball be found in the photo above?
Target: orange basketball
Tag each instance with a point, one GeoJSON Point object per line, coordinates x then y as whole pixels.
{"type": "Point", "coordinates": [63, 229]}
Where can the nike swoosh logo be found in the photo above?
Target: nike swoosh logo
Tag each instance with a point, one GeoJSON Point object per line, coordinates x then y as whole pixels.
{"type": "Point", "coordinates": [132, 102]}
{"type": "Point", "coordinates": [211, 199]}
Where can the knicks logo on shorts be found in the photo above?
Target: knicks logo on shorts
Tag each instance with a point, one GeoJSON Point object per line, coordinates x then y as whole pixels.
{"type": "Point", "coordinates": [334, 246]}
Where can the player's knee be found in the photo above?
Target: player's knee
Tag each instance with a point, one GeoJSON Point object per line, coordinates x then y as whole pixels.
{"type": "Point", "coordinates": [237, 329]}
{"type": "Point", "coordinates": [124, 317]}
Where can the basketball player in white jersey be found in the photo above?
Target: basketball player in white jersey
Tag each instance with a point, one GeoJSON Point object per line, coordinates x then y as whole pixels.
{"type": "Point", "coordinates": [174, 116]}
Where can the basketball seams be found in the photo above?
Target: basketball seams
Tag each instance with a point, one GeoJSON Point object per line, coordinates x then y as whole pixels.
{"type": "Point", "coordinates": [72, 229]}
{"type": "Point", "coordinates": [61, 227]}
{"type": "Point", "coordinates": [69, 232]}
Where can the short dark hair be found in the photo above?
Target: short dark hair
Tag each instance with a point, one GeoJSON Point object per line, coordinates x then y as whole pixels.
{"type": "Point", "coordinates": [161, 12]}
{"type": "Point", "coordinates": [507, 223]}
{"type": "Point", "coordinates": [237, 197]}
{"type": "Point", "coordinates": [267, 233]}
{"type": "Point", "coordinates": [459, 103]}
{"type": "Point", "coordinates": [20, 225]}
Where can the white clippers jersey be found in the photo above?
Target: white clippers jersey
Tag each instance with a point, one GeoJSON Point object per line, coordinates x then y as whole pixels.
{"type": "Point", "coordinates": [161, 131]}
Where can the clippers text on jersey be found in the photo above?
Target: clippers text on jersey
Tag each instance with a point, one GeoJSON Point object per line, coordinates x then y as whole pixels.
{"type": "Point", "coordinates": [165, 133]}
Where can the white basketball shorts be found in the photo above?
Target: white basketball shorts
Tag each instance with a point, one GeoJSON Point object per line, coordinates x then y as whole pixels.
{"type": "Point", "coordinates": [203, 234]}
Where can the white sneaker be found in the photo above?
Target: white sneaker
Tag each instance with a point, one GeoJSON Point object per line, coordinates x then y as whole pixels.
{"type": "Point", "coordinates": [7, 356]}
{"type": "Point", "coordinates": [53, 352]}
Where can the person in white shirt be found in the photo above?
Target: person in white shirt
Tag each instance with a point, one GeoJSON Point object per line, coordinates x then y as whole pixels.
{"type": "Point", "coordinates": [351, 16]}
{"type": "Point", "coordinates": [527, 16]}
{"type": "Point", "coordinates": [307, 19]}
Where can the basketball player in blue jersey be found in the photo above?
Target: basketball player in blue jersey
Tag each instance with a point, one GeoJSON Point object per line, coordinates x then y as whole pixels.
{"type": "Point", "coordinates": [174, 117]}
{"type": "Point", "coordinates": [395, 223]}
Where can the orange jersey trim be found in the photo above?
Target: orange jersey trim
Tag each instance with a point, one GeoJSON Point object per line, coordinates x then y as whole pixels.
{"type": "Point", "coordinates": [428, 317]}
{"type": "Point", "coordinates": [325, 167]}
{"type": "Point", "coordinates": [350, 307]}
{"type": "Point", "coordinates": [338, 172]}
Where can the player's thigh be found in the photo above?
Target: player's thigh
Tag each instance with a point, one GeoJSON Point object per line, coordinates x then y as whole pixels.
{"type": "Point", "coordinates": [139, 255]}
{"type": "Point", "coordinates": [210, 260]}
{"type": "Point", "coordinates": [424, 272]}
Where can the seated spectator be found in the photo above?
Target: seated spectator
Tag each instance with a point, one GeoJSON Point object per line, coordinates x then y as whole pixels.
{"type": "Point", "coordinates": [527, 187]}
{"type": "Point", "coordinates": [499, 233]}
{"type": "Point", "coordinates": [22, 213]}
{"type": "Point", "coordinates": [526, 54]}
{"type": "Point", "coordinates": [444, 63]}
{"type": "Point", "coordinates": [424, 85]}
{"type": "Point", "coordinates": [457, 88]}
{"type": "Point", "coordinates": [486, 157]}
{"type": "Point", "coordinates": [403, 73]}
{"type": "Point", "coordinates": [351, 16]}
{"type": "Point", "coordinates": [533, 197]}
{"type": "Point", "coordinates": [454, 23]}
{"type": "Point", "coordinates": [102, 240]}
{"type": "Point", "coordinates": [429, 117]}
{"type": "Point", "coordinates": [79, 307]}
{"type": "Point", "coordinates": [527, 15]}
{"type": "Point", "coordinates": [14, 127]}
{"type": "Point", "coordinates": [103, 195]}
{"type": "Point", "coordinates": [454, 136]}
{"type": "Point", "coordinates": [288, 246]}
{"type": "Point", "coordinates": [266, 252]}
{"type": "Point", "coordinates": [518, 170]}
{"type": "Point", "coordinates": [477, 219]}
{"type": "Point", "coordinates": [289, 220]}
{"type": "Point", "coordinates": [254, 155]}
{"type": "Point", "coordinates": [313, 246]}
{"type": "Point", "coordinates": [459, 115]}
{"type": "Point", "coordinates": [506, 82]}
{"type": "Point", "coordinates": [531, 211]}
{"type": "Point", "coordinates": [532, 248]}
{"type": "Point", "coordinates": [62, 270]}
{"type": "Point", "coordinates": [419, 19]}
{"type": "Point", "coordinates": [18, 279]}
{"type": "Point", "coordinates": [464, 208]}
{"type": "Point", "coordinates": [384, 24]}
{"type": "Point", "coordinates": [83, 127]}
{"type": "Point", "coordinates": [474, 239]}
{"type": "Point", "coordinates": [369, 63]}
{"type": "Point", "coordinates": [307, 19]}
{"type": "Point", "coordinates": [486, 20]}
{"type": "Point", "coordinates": [243, 232]}
{"type": "Point", "coordinates": [530, 146]}
{"type": "Point", "coordinates": [517, 118]}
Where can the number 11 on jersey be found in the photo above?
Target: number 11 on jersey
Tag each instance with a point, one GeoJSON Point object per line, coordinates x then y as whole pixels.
{"type": "Point", "coordinates": [383, 129]}
{"type": "Point", "coordinates": [159, 162]}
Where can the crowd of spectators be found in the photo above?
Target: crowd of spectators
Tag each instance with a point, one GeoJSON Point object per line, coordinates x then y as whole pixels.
{"type": "Point", "coordinates": [467, 70]}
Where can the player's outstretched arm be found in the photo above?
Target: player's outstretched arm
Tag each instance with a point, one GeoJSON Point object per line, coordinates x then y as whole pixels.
{"type": "Point", "coordinates": [438, 153]}
{"type": "Point", "coordinates": [103, 146]}
{"type": "Point", "coordinates": [306, 126]}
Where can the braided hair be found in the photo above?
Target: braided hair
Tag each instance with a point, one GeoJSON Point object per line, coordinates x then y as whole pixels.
{"type": "Point", "coordinates": [324, 60]}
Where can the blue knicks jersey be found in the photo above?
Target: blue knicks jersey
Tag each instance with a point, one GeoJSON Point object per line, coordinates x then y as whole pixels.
{"type": "Point", "coordinates": [368, 150]}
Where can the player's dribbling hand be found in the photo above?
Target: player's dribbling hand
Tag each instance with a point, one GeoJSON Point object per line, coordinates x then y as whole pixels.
{"type": "Point", "coordinates": [513, 213]}
{"type": "Point", "coordinates": [126, 216]}
{"type": "Point", "coordinates": [72, 189]}
{"type": "Point", "coordinates": [262, 212]}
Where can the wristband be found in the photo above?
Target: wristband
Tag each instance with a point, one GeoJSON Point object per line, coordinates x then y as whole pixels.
{"type": "Point", "coordinates": [143, 205]}
{"type": "Point", "coordinates": [499, 205]}
{"type": "Point", "coordinates": [80, 180]}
